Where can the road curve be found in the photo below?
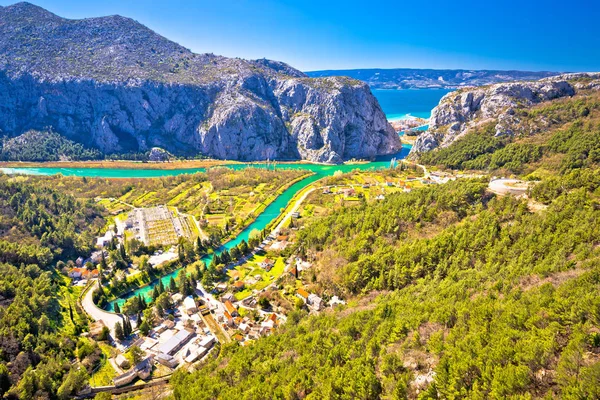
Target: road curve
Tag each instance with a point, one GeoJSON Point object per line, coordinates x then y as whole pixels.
{"type": "Point", "coordinates": [508, 186]}
{"type": "Point", "coordinates": [96, 313]}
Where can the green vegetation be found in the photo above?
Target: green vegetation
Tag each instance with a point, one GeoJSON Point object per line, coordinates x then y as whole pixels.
{"type": "Point", "coordinates": [571, 141]}
{"type": "Point", "coordinates": [490, 300]}
{"type": "Point", "coordinates": [40, 320]}
{"type": "Point", "coordinates": [45, 146]}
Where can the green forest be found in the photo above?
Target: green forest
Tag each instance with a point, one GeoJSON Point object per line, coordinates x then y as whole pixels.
{"type": "Point", "coordinates": [472, 295]}
{"type": "Point", "coordinates": [39, 316]}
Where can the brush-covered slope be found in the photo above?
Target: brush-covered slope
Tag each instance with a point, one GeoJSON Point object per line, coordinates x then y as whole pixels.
{"type": "Point", "coordinates": [115, 85]}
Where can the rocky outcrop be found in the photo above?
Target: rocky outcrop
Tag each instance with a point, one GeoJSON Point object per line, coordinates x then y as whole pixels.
{"type": "Point", "coordinates": [460, 111]}
{"type": "Point", "coordinates": [112, 84]}
{"type": "Point", "coordinates": [158, 155]}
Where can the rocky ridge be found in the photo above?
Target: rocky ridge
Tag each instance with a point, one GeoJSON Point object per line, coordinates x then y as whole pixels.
{"type": "Point", "coordinates": [111, 83]}
{"type": "Point", "coordinates": [460, 111]}
{"type": "Point", "coordinates": [407, 78]}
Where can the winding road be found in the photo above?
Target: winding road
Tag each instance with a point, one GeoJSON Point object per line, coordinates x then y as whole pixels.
{"type": "Point", "coordinates": [109, 319]}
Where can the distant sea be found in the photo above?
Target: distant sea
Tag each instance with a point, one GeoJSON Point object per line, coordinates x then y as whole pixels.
{"type": "Point", "coordinates": [400, 104]}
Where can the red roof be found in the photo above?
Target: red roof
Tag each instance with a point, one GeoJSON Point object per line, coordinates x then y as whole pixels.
{"type": "Point", "coordinates": [229, 307]}
{"type": "Point", "coordinates": [303, 293]}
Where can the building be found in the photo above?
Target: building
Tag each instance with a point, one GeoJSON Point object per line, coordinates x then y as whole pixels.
{"type": "Point", "coordinates": [121, 361]}
{"type": "Point", "coordinates": [105, 240]}
{"type": "Point", "coordinates": [189, 304]}
{"type": "Point", "coordinates": [87, 274]}
{"type": "Point", "coordinates": [267, 264]}
{"type": "Point", "coordinates": [303, 294]}
{"type": "Point", "coordinates": [315, 302]}
{"type": "Point", "coordinates": [142, 371]}
{"type": "Point", "coordinates": [231, 309]}
{"type": "Point", "coordinates": [175, 343]}
{"type": "Point", "coordinates": [76, 272]}
{"type": "Point", "coordinates": [238, 286]}
{"type": "Point", "coordinates": [167, 360]}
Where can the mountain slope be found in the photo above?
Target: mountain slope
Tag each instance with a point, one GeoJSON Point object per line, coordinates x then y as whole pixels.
{"type": "Point", "coordinates": [113, 84]}
{"type": "Point", "coordinates": [407, 78]}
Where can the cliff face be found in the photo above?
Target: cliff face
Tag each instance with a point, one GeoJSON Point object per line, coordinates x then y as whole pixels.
{"type": "Point", "coordinates": [460, 111]}
{"type": "Point", "coordinates": [113, 84]}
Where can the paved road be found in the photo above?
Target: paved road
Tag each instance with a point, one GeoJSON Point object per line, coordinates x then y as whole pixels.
{"type": "Point", "coordinates": [294, 208]}
{"type": "Point", "coordinates": [508, 186]}
{"type": "Point", "coordinates": [98, 314]}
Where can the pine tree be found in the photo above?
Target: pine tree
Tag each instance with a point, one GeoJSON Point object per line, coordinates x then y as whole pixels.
{"type": "Point", "coordinates": [172, 285]}
{"type": "Point", "coordinates": [117, 309]}
{"type": "Point", "coordinates": [155, 293]}
{"type": "Point", "coordinates": [161, 286]}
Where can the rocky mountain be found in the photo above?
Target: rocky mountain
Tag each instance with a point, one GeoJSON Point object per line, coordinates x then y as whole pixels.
{"type": "Point", "coordinates": [405, 78]}
{"type": "Point", "coordinates": [111, 83]}
{"type": "Point", "coordinates": [500, 104]}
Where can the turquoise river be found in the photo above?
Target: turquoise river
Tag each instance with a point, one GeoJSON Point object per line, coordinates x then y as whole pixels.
{"type": "Point", "coordinates": [270, 213]}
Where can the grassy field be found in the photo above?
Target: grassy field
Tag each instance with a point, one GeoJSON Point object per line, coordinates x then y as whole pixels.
{"type": "Point", "coordinates": [105, 374]}
{"type": "Point", "coordinates": [251, 269]}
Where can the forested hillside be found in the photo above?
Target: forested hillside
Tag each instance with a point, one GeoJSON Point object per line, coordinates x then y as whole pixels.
{"type": "Point", "coordinates": [39, 319]}
{"type": "Point", "coordinates": [455, 292]}
{"type": "Point", "coordinates": [489, 300]}
{"type": "Point", "coordinates": [558, 135]}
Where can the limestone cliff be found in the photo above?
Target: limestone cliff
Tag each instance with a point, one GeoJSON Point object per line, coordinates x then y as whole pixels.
{"type": "Point", "coordinates": [460, 111]}
{"type": "Point", "coordinates": [112, 84]}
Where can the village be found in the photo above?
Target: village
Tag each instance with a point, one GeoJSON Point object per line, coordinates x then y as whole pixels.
{"type": "Point", "coordinates": [192, 326]}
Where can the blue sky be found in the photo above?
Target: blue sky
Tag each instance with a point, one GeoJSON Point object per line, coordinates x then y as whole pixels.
{"type": "Point", "coordinates": [332, 34]}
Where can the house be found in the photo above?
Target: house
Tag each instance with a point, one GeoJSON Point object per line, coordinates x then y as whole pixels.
{"type": "Point", "coordinates": [80, 261]}
{"type": "Point", "coordinates": [315, 302]}
{"type": "Point", "coordinates": [194, 353]}
{"type": "Point", "coordinates": [87, 274]}
{"type": "Point", "coordinates": [303, 294]}
{"type": "Point", "coordinates": [227, 297]}
{"type": "Point", "coordinates": [238, 286]}
{"type": "Point", "coordinates": [169, 324]}
{"type": "Point", "coordinates": [231, 309]}
{"type": "Point", "coordinates": [294, 272]}
{"type": "Point", "coordinates": [167, 360]}
{"type": "Point", "coordinates": [175, 343]}
{"type": "Point", "coordinates": [177, 297]}
{"type": "Point", "coordinates": [326, 190]}
{"type": "Point", "coordinates": [207, 342]}
{"type": "Point", "coordinates": [389, 184]}
{"type": "Point", "coordinates": [296, 215]}
{"type": "Point", "coordinates": [221, 287]}
{"type": "Point", "coordinates": [228, 319]}
{"type": "Point", "coordinates": [244, 327]}
{"type": "Point", "coordinates": [267, 264]}
{"type": "Point", "coordinates": [105, 240]}
{"type": "Point", "coordinates": [189, 304]}
{"type": "Point", "coordinates": [76, 272]}
{"type": "Point", "coordinates": [121, 361]}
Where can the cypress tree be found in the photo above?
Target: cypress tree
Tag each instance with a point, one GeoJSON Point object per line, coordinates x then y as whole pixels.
{"type": "Point", "coordinates": [119, 331]}
{"type": "Point", "coordinates": [117, 309]}
{"type": "Point", "coordinates": [172, 285]}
